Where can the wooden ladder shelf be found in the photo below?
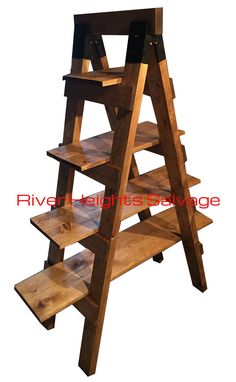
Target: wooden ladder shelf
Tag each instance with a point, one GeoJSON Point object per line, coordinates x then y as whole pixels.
{"type": "Point", "coordinates": [83, 280]}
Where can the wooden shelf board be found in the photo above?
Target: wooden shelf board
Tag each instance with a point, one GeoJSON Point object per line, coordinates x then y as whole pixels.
{"type": "Point", "coordinates": [154, 235]}
{"type": "Point", "coordinates": [94, 151]}
{"type": "Point", "coordinates": [154, 182]}
{"type": "Point", "coordinates": [69, 224]}
{"type": "Point", "coordinates": [102, 78]}
{"type": "Point", "coordinates": [57, 287]}
{"type": "Point", "coordinates": [72, 223]}
{"type": "Point", "coordinates": [53, 289]}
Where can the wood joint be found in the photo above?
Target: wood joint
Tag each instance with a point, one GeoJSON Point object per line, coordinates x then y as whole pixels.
{"type": "Point", "coordinates": [105, 174]}
{"type": "Point", "coordinates": [159, 48]}
{"type": "Point", "coordinates": [157, 149]}
{"type": "Point", "coordinates": [96, 243]}
{"type": "Point", "coordinates": [147, 92]}
{"type": "Point", "coordinates": [80, 42]}
{"type": "Point", "coordinates": [139, 43]}
{"type": "Point", "coordinates": [46, 264]}
{"type": "Point", "coordinates": [158, 258]}
{"type": "Point", "coordinates": [172, 88]}
{"type": "Point", "coordinates": [97, 42]}
{"type": "Point", "coordinates": [184, 153]}
{"type": "Point", "coordinates": [201, 248]}
{"type": "Point", "coordinates": [88, 308]}
{"type": "Point", "coordinates": [117, 95]}
{"type": "Point", "coordinates": [49, 323]}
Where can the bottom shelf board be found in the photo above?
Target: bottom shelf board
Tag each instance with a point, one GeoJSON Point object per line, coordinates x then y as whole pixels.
{"type": "Point", "coordinates": [61, 285]}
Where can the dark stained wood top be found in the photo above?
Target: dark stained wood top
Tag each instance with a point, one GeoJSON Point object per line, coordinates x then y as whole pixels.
{"type": "Point", "coordinates": [117, 23]}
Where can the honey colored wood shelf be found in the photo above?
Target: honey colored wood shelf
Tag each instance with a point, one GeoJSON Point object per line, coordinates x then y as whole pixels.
{"type": "Point", "coordinates": [69, 224]}
{"type": "Point", "coordinates": [102, 78]}
{"type": "Point", "coordinates": [52, 290]}
{"type": "Point", "coordinates": [94, 151]}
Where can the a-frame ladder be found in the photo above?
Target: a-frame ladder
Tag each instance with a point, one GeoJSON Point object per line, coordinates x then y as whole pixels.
{"type": "Point", "coordinates": [145, 72]}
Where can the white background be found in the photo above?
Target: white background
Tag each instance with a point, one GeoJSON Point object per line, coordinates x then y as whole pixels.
{"type": "Point", "coordinates": [158, 327]}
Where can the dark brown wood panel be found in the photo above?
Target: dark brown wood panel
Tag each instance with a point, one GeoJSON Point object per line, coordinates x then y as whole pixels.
{"type": "Point", "coordinates": [117, 23]}
{"type": "Point", "coordinates": [116, 95]}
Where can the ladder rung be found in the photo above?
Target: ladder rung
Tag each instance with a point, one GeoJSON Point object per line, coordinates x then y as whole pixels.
{"type": "Point", "coordinates": [72, 223]}
{"type": "Point", "coordinates": [53, 289]}
{"type": "Point", "coordinates": [92, 152]}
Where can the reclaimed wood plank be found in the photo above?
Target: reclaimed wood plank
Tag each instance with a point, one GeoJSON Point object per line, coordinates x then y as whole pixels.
{"type": "Point", "coordinates": [94, 151]}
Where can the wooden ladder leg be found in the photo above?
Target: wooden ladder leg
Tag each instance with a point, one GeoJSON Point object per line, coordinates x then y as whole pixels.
{"type": "Point", "coordinates": [99, 62]}
{"type": "Point", "coordinates": [72, 128]}
{"type": "Point", "coordinates": [162, 100]}
{"type": "Point", "coordinates": [99, 288]}
{"type": "Point", "coordinates": [145, 214]}
{"type": "Point", "coordinates": [121, 155]}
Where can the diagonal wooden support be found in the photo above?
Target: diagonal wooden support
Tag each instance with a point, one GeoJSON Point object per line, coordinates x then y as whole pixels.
{"type": "Point", "coordinates": [99, 61]}
{"type": "Point", "coordinates": [161, 95]}
{"type": "Point", "coordinates": [121, 157]}
{"type": "Point", "coordinates": [72, 128]}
